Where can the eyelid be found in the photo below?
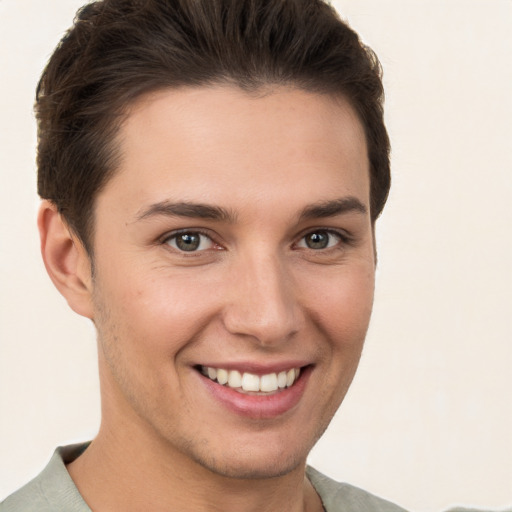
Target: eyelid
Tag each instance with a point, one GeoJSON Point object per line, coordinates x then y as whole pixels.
{"type": "Point", "coordinates": [163, 240]}
{"type": "Point", "coordinates": [344, 237]}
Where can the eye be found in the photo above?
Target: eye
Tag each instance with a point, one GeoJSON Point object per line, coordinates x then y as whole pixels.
{"type": "Point", "coordinates": [321, 239]}
{"type": "Point", "coordinates": [190, 241]}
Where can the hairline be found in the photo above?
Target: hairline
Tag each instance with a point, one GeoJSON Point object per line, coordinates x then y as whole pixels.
{"type": "Point", "coordinates": [120, 113]}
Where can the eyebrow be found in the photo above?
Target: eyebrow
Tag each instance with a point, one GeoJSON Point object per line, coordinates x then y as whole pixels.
{"type": "Point", "coordinates": [333, 208]}
{"type": "Point", "coordinates": [186, 209]}
{"type": "Point", "coordinates": [318, 210]}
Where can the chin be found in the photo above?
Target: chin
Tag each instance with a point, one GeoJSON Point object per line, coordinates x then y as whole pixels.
{"type": "Point", "coordinates": [263, 457]}
{"type": "Point", "coordinates": [249, 466]}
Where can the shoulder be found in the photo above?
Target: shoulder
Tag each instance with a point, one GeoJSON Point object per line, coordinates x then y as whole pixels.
{"type": "Point", "coordinates": [338, 497]}
{"type": "Point", "coordinates": [52, 490]}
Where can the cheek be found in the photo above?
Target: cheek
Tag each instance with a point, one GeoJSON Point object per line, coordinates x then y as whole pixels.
{"type": "Point", "coordinates": [344, 308]}
{"type": "Point", "coordinates": [159, 312]}
{"type": "Point", "coordinates": [143, 323]}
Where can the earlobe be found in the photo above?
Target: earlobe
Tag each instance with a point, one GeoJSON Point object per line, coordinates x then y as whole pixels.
{"type": "Point", "coordinates": [65, 259]}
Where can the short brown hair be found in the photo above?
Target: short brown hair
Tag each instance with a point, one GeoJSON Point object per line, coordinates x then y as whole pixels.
{"type": "Point", "coordinates": [118, 50]}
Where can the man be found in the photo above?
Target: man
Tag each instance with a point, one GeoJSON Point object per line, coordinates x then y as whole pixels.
{"type": "Point", "coordinates": [211, 173]}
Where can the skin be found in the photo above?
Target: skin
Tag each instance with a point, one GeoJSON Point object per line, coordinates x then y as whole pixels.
{"type": "Point", "coordinates": [254, 292]}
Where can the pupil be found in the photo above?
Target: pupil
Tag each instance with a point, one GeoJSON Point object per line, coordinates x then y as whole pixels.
{"type": "Point", "coordinates": [188, 242]}
{"type": "Point", "coordinates": [317, 240]}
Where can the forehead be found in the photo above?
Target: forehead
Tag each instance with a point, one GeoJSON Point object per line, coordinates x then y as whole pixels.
{"type": "Point", "coordinates": [223, 144]}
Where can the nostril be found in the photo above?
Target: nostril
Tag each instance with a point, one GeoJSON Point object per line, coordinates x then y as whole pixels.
{"type": "Point", "coordinates": [262, 302]}
{"type": "Point", "coordinates": [270, 327]}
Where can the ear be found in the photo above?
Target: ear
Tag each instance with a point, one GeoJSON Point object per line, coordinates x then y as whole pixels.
{"type": "Point", "coordinates": [65, 259]}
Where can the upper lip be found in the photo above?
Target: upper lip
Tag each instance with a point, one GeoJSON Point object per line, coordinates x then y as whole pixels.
{"type": "Point", "coordinates": [257, 368]}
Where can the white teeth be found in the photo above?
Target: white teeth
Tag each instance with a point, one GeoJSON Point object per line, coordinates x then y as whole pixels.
{"type": "Point", "coordinates": [281, 380]}
{"type": "Point", "coordinates": [222, 376]}
{"type": "Point", "coordinates": [249, 382]}
{"type": "Point", "coordinates": [268, 383]}
{"type": "Point", "coordinates": [234, 379]}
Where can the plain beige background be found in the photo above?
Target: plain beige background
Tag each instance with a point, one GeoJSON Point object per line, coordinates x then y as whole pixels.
{"type": "Point", "coordinates": [428, 422]}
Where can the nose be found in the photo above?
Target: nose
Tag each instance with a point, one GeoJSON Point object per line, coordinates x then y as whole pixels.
{"type": "Point", "coordinates": [262, 301]}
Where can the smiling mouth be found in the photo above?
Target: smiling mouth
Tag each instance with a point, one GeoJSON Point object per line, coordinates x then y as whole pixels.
{"type": "Point", "coordinates": [250, 383]}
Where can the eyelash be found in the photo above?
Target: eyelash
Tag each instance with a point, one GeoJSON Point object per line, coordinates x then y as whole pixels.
{"type": "Point", "coordinates": [174, 236]}
{"type": "Point", "coordinates": [343, 239]}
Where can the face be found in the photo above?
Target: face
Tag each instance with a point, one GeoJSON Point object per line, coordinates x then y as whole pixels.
{"type": "Point", "coordinates": [234, 273]}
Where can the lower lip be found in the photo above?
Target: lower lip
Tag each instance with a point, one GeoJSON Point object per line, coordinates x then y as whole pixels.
{"type": "Point", "coordinates": [259, 406]}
